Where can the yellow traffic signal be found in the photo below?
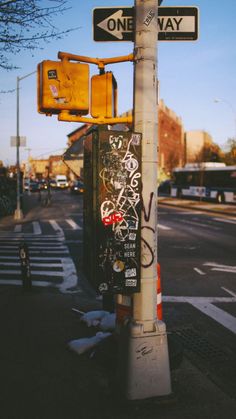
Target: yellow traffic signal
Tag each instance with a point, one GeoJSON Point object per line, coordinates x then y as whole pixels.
{"type": "Point", "coordinates": [103, 96]}
{"type": "Point", "coordinates": [63, 85]}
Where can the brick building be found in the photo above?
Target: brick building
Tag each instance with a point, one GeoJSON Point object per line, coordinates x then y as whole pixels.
{"type": "Point", "coordinates": [170, 139]}
{"type": "Point", "coordinates": [41, 168]}
{"type": "Point", "coordinates": [170, 136]}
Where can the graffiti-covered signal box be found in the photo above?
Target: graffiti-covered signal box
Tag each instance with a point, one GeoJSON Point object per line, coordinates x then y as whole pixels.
{"type": "Point", "coordinates": [112, 210]}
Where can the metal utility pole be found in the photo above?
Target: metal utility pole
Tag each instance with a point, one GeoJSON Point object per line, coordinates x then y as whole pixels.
{"type": "Point", "coordinates": [18, 212]}
{"type": "Point", "coordinates": [144, 358]}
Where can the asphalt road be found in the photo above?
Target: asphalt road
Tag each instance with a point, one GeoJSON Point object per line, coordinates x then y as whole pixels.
{"type": "Point", "coordinates": [197, 257]}
{"type": "Point", "coordinates": [197, 252]}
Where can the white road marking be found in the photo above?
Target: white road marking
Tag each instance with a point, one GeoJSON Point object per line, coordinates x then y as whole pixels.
{"type": "Point", "coordinates": [163, 227]}
{"type": "Point", "coordinates": [219, 315]}
{"type": "Point", "coordinates": [218, 267]}
{"type": "Point", "coordinates": [38, 246]}
{"type": "Point", "coordinates": [225, 220]}
{"type": "Point", "coordinates": [191, 300]}
{"type": "Point", "coordinates": [18, 228]}
{"type": "Point", "coordinates": [205, 305]}
{"type": "Point", "coordinates": [18, 272]}
{"type": "Point", "coordinates": [196, 223]}
{"type": "Point", "coordinates": [56, 227]}
{"type": "Point", "coordinates": [48, 258]}
{"type": "Point", "coordinates": [73, 224]}
{"type": "Point", "coordinates": [44, 265]}
{"type": "Point", "coordinates": [229, 291]}
{"type": "Point", "coordinates": [36, 227]}
{"type": "Point", "coordinates": [18, 282]}
{"type": "Point", "coordinates": [60, 251]}
{"type": "Point", "coordinates": [232, 271]}
{"type": "Point", "coordinates": [199, 271]}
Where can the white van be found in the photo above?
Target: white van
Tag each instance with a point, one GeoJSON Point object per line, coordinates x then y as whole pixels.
{"type": "Point", "coordinates": [61, 181]}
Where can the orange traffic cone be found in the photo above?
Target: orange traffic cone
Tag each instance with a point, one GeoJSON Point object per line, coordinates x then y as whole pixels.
{"type": "Point", "coordinates": [159, 294]}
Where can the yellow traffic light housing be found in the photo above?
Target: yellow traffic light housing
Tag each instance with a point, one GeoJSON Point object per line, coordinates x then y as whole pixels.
{"type": "Point", "coordinates": [63, 85]}
{"type": "Point", "coordinates": [103, 96]}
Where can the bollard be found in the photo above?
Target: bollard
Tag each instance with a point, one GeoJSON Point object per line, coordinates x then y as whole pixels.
{"type": "Point", "coordinates": [25, 266]}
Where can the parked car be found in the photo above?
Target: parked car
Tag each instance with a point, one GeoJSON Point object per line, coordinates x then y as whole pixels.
{"type": "Point", "coordinates": [26, 184]}
{"type": "Point", "coordinates": [43, 184]}
{"type": "Point", "coordinates": [61, 181]}
{"type": "Point", "coordinates": [53, 183]}
{"type": "Point", "coordinates": [77, 187]}
{"type": "Point", "coordinates": [34, 186]}
{"type": "Point", "coordinates": [31, 185]}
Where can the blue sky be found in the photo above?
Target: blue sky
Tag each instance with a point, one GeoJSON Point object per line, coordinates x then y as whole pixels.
{"type": "Point", "coordinates": [191, 76]}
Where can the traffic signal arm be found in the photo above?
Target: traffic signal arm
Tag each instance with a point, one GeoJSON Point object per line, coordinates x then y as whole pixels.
{"type": "Point", "coordinates": [67, 117]}
{"type": "Point", "coordinates": [100, 62]}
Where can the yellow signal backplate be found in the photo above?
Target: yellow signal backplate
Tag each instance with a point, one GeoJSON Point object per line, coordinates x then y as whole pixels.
{"type": "Point", "coordinates": [63, 85]}
{"type": "Point", "coordinates": [103, 96]}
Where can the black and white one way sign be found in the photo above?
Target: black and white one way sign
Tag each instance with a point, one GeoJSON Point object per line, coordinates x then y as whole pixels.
{"type": "Point", "coordinates": [117, 23]}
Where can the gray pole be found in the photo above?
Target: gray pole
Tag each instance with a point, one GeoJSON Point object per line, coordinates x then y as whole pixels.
{"type": "Point", "coordinates": [18, 212]}
{"type": "Point", "coordinates": [144, 360]}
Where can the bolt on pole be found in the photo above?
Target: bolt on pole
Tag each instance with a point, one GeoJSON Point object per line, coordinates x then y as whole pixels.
{"type": "Point", "coordinates": [144, 360]}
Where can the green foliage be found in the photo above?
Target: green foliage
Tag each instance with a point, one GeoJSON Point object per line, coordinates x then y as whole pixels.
{"type": "Point", "coordinates": [230, 153]}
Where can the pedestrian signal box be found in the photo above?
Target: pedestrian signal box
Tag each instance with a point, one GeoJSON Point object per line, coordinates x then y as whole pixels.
{"type": "Point", "coordinates": [103, 96]}
{"type": "Point", "coordinates": [63, 85]}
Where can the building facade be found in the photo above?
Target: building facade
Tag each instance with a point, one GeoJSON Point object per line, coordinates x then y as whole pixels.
{"type": "Point", "coordinates": [195, 141]}
{"type": "Point", "coordinates": [170, 140]}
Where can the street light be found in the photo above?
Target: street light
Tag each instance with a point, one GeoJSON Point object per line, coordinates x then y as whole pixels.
{"type": "Point", "coordinates": [18, 212]}
{"type": "Point", "coordinates": [219, 100]}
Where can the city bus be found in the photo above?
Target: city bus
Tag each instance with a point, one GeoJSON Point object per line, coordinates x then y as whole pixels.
{"type": "Point", "coordinates": [210, 181]}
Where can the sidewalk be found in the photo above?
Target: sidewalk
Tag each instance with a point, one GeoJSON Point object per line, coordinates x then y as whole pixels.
{"type": "Point", "coordinates": [42, 379]}
{"type": "Point", "coordinates": [197, 205]}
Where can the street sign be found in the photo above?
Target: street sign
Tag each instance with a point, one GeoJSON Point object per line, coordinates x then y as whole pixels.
{"type": "Point", "coordinates": [177, 23]}
{"type": "Point", "coordinates": [22, 141]}
{"type": "Point", "coordinates": [113, 24]}
{"type": "Point", "coordinates": [117, 23]}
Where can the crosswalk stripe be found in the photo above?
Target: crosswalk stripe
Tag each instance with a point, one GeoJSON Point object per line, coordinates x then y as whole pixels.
{"type": "Point", "coordinates": [56, 227]}
{"type": "Point", "coordinates": [73, 224]}
{"type": "Point", "coordinates": [33, 272]}
{"type": "Point", "coordinates": [18, 228]}
{"type": "Point", "coordinates": [36, 227]}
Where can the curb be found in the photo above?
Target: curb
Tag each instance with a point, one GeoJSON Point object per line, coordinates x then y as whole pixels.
{"type": "Point", "coordinates": [225, 211]}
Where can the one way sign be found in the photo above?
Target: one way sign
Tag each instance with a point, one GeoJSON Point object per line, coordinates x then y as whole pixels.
{"type": "Point", "coordinates": [117, 23]}
{"type": "Point", "coordinates": [113, 24]}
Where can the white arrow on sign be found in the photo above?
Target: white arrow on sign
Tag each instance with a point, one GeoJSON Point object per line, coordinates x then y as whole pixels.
{"type": "Point", "coordinates": [117, 24]}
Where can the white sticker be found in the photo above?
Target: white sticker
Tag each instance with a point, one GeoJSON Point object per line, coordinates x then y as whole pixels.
{"type": "Point", "coordinates": [129, 273]}
{"type": "Point", "coordinates": [149, 17]}
{"type": "Point", "coordinates": [131, 282]}
{"type": "Point", "coordinates": [53, 90]}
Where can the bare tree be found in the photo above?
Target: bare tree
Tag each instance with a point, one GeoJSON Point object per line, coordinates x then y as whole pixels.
{"type": "Point", "coordinates": [25, 23]}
